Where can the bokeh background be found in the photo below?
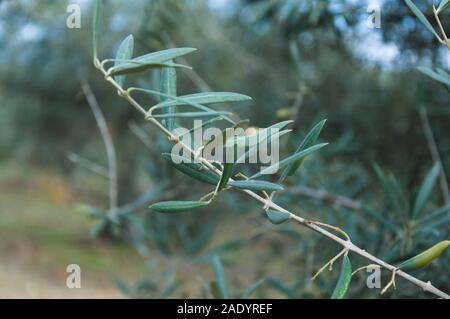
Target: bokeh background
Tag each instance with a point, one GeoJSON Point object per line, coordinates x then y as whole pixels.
{"type": "Point", "coordinates": [303, 60]}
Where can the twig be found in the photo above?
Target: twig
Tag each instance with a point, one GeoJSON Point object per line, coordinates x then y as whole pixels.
{"type": "Point", "coordinates": [88, 164]}
{"type": "Point", "coordinates": [435, 154]}
{"type": "Point", "coordinates": [348, 245]}
{"type": "Point", "coordinates": [336, 229]}
{"type": "Point", "coordinates": [441, 28]}
{"type": "Point", "coordinates": [107, 140]}
{"type": "Point", "coordinates": [390, 283]}
{"type": "Point", "coordinates": [364, 267]}
{"type": "Point", "coordinates": [330, 263]}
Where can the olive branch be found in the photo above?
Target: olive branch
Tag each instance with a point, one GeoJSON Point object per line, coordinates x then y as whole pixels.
{"type": "Point", "coordinates": [222, 175]}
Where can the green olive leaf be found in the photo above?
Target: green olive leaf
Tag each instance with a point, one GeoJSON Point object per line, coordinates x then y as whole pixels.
{"type": "Point", "coordinates": [277, 217]}
{"type": "Point", "coordinates": [438, 76]}
{"type": "Point", "coordinates": [256, 185]}
{"type": "Point", "coordinates": [290, 159]}
{"type": "Point", "coordinates": [252, 288]}
{"type": "Point", "coordinates": [144, 62]}
{"type": "Point", "coordinates": [309, 141]}
{"type": "Point", "coordinates": [425, 258]}
{"type": "Point", "coordinates": [96, 27]}
{"type": "Point", "coordinates": [168, 86]}
{"type": "Point", "coordinates": [177, 206]}
{"type": "Point", "coordinates": [344, 279]}
{"type": "Point", "coordinates": [444, 5]}
{"type": "Point", "coordinates": [124, 52]}
{"type": "Point", "coordinates": [189, 114]}
{"type": "Point", "coordinates": [426, 189]}
{"type": "Point", "coordinates": [221, 279]}
{"type": "Point", "coordinates": [192, 169]}
{"type": "Point", "coordinates": [206, 98]}
{"type": "Point", "coordinates": [421, 17]}
{"type": "Point", "coordinates": [226, 174]}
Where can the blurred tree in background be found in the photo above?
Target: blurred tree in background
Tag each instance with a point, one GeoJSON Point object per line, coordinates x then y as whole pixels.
{"type": "Point", "coordinates": [301, 60]}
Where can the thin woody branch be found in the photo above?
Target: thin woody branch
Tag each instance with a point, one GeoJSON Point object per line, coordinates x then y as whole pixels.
{"type": "Point", "coordinates": [109, 145]}
{"type": "Point", "coordinates": [432, 145]}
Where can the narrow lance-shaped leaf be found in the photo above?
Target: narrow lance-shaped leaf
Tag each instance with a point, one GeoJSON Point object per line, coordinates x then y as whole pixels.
{"type": "Point", "coordinates": [147, 61]}
{"type": "Point", "coordinates": [344, 279]}
{"type": "Point", "coordinates": [256, 185]}
{"type": "Point", "coordinates": [168, 86]}
{"type": "Point", "coordinates": [434, 214]}
{"type": "Point", "coordinates": [221, 279]}
{"type": "Point", "coordinates": [190, 114]}
{"type": "Point", "coordinates": [267, 138]}
{"type": "Point", "coordinates": [391, 188]}
{"type": "Point", "coordinates": [396, 193]}
{"type": "Point", "coordinates": [425, 189]}
{"type": "Point", "coordinates": [214, 289]}
{"type": "Point", "coordinates": [444, 5]}
{"type": "Point", "coordinates": [256, 140]}
{"type": "Point", "coordinates": [425, 258]}
{"type": "Point", "coordinates": [437, 223]}
{"type": "Point", "coordinates": [259, 136]}
{"type": "Point", "coordinates": [309, 141]}
{"type": "Point", "coordinates": [220, 140]}
{"type": "Point", "coordinates": [422, 17]}
{"type": "Point", "coordinates": [198, 172]}
{"type": "Point", "coordinates": [445, 75]}
{"type": "Point", "coordinates": [206, 98]}
{"type": "Point", "coordinates": [226, 174]}
{"type": "Point", "coordinates": [96, 27]}
{"type": "Point", "coordinates": [291, 159]}
{"type": "Point", "coordinates": [252, 288]}
{"type": "Point", "coordinates": [277, 217]}
{"type": "Point", "coordinates": [443, 78]}
{"type": "Point", "coordinates": [192, 169]}
{"type": "Point", "coordinates": [282, 287]}
{"type": "Point", "coordinates": [146, 65]}
{"type": "Point", "coordinates": [177, 206]}
{"type": "Point", "coordinates": [295, 56]}
{"type": "Point", "coordinates": [124, 52]}
{"type": "Point", "coordinates": [175, 98]}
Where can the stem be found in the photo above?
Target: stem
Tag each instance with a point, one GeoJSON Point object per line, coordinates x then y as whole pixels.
{"type": "Point", "coordinates": [330, 263]}
{"type": "Point", "coordinates": [363, 267]}
{"type": "Point", "coordinates": [440, 25]}
{"type": "Point", "coordinates": [435, 154]}
{"type": "Point", "coordinates": [107, 140]}
{"type": "Point", "coordinates": [88, 164]}
{"type": "Point", "coordinates": [346, 244]}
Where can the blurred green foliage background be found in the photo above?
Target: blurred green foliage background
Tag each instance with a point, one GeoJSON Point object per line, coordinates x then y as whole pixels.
{"type": "Point", "coordinates": [305, 60]}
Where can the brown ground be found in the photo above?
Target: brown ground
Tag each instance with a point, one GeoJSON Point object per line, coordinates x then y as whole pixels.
{"type": "Point", "coordinates": [41, 233]}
